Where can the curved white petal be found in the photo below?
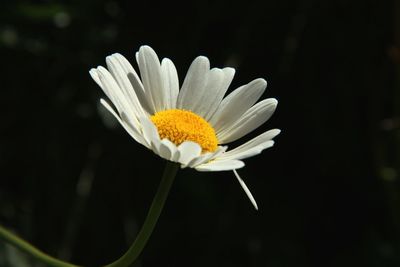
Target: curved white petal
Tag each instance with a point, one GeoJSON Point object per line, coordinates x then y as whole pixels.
{"type": "Point", "coordinates": [107, 83]}
{"type": "Point", "coordinates": [95, 76]}
{"type": "Point", "coordinates": [206, 97]}
{"type": "Point", "coordinates": [152, 78]}
{"type": "Point", "coordinates": [220, 165]}
{"type": "Point", "coordinates": [171, 82]}
{"type": "Point", "coordinates": [128, 127]}
{"type": "Point", "coordinates": [217, 93]}
{"type": "Point", "coordinates": [166, 149]}
{"type": "Point", "coordinates": [176, 156]}
{"type": "Point", "coordinates": [188, 150]}
{"type": "Point", "coordinates": [121, 77]}
{"type": "Point", "coordinates": [134, 80]}
{"type": "Point", "coordinates": [250, 120]}
{"type": "Point", "coordinates": [218, 82]}
{"type": "Point", "coordinates": [149, 131]}
{"type": "Point", "coordinates": [246, 190]}
{"type": "Point", "coordinates": [94, 73]}
{"type": "Point", "coordinates": [128, 69]}
{"type": "Point", "coordinates": [237, 103]}
{"type": "Point", "coordinates": [252, 147]}
{"type": "Point", "coordinates": [194, 84]}
{"type": "Point", "coordinates": [203, 158]}
{"type": "Point", "coordinates": [200, 159]}
{"type": "Point", "coordinates": [250, 152]}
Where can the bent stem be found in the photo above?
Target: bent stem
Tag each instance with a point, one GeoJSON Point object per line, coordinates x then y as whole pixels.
{"type": "Point", "coordinates": [136, 248]}
{"type": "Point", "coordinates": [14, 240]}
{"type": "Point", "coordinates": [156, 207]}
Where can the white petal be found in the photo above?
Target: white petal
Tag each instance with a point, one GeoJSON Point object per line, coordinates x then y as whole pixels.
{"type": "Point", "coordinates": [246, 190]}
{"type": "Point", "coordinates": [96, 77]}
{"type": "Point", "coordinates": [252, 147]}
{"type": "Point", "coordinates": [215, 94]}
{"type": "Point", "coordinates": [112, 89]}
{"type": "Point", "coordinates": [188, 150]}
{"type": "Point", "coordinates": [155, 147]}
{"type": "Point", "coordinates": [134, 80]}
{"type": "Point", "coordinates": [167, 149]}
{"type": "Point", "coordinates": [200, 159]}
{"type": "Point", "coordinates": [95, 73]}
{"type": "Point", "coordinates": [150, 72]}
{"type": "Point", "coordinates": [206, 98]}
{"type": "Point", "coordinates": [203, 158]}
{"type": "Point", "coordinates": [174, 153]}
{"type": "Point", "coordinates": [237, 103]}
{"type": "Point", "coordinates": [176, 156]}
{"type": "Point", "coordinates": [171, 82]}
{"type": "Point", "coordinates": [249, 152]}
{"type": "Point", "coordinates": [194, 83]}
{"type": "Point", "coordinates": [220, 165]}
{"type": "Point", "coordinates": [131, 130]}
{"type": "Point", "coordinates": [128, 80]}
{"type": "Point", "coordinates": [149, 131]}
{"type": "Point", "coordinates": [121, 78]}
{"type": "Point", "coordinates": [251, 119]}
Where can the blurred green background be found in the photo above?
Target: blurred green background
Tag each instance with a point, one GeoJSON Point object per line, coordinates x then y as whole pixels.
{"type": "Point", "coordinates": [78, 187]}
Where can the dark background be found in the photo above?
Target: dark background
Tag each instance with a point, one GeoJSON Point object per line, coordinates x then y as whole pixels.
{"type": "Point", "coordinates": [75, 185]}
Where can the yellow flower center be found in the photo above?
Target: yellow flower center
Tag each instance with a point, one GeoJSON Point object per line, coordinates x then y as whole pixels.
{"type": "Point", "coordinates": [179, 126]}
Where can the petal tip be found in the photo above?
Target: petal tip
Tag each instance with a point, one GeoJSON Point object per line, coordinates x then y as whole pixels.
{"type": "Point", "coordinates": [93, 71]}
{"type": "Point", "coordinates": [275, 132]}
{"type": "Point", "coordinates": [261, 81]}
{"type": "Point", "coordinates": [202, 59]}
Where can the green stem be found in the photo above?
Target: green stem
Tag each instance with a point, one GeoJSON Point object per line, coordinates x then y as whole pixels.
{"type": "Point", "coordinates": [154, 213]}
{"type": "Point", "coordinates": [9, 237]}
{"type": "Point", "coordinates": [136, 248]}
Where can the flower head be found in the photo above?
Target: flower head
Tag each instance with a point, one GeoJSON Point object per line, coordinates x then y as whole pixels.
{"type": "Point", "coordinates": [188, 124]}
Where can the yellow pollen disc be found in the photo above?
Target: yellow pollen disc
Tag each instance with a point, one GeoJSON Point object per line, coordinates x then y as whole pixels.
{"type": "Point", "coordinates": [179, 126]}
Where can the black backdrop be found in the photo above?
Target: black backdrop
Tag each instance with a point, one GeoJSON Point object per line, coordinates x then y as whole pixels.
{"type": "Point", "coordinates": [77, 186]}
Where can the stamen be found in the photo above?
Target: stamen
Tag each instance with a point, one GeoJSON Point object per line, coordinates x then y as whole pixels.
{"type": "Point", "coordinates": [182, 125]}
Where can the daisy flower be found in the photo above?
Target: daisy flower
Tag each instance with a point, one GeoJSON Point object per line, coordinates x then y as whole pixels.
{"type": "Point", "coordinates": [188, 124]}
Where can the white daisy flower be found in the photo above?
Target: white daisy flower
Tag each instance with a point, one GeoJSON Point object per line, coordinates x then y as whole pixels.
{"type": "Point", "coordinates": [188, 124]}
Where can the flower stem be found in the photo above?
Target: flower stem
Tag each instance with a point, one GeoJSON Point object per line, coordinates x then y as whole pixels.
{"type": "Point", "coordinates": [14, 240]}
{"type": "Point", "coordinates": [136, 248]}
{"type": "Point", "coordinates": [154, 213]}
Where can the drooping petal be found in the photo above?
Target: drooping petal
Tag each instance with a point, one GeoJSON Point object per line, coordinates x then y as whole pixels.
{"type": "Point", "coordinates": [112, 90]}
{"type": "Point", "coordinates": [167, 149]}
{"type": "Point", "coordinates": [152, 78]}
{"type": "Point", "coordinates": [149, 131]}
{"type": "Point", "coordinates": [250, 152]}
{"type": "Point", "coordinates": [95, 76]}
{"type": "Point", "coordinates": [128, 127]}
{"type": "Point", "coordinates": [220, 165]}
{"type": "Point", "coordinates": [205, 157]}
{"type": "Point", "coordinates": [176, 156]}
{"type": "Point", "coordinates": [246, 190]}
{"type": "Point", "coordinates": [250, 120]}
{"type": "Point", "coordinates": [252, 147]}
{"type": "Point", "coordinates": [237, 103]}
{"type": "Point", "coordinates": [171, 82]}
{"type": "Point", "coordinates": [194, 84]}
{"type": "Point", "coordinates": [188, 150]}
